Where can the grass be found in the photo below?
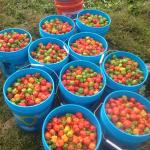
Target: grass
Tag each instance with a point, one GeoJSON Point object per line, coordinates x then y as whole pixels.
{"type": "Point", "coordinates": [129, 31]}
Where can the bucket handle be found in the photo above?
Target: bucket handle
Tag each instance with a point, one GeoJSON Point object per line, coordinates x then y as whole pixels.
{"type": "Point", "coordinates": [59, 99]}
{"type": "Point", "coordinates": [107, 140]}
{"type": "Point", "coordinates": [70, 53]}
{"type": "Point", "coordinates": [65, 48]}
{"type": "Point", "coordinates": [56, 76]}
{"type": "Point", "coordinates": [97, 108]}
{"type": "Point", "coordinates": [105, 53]}
{"type": "Point", "coordinates": [112, 144]}
{"type": "Point", "coordinates": [40, 65]}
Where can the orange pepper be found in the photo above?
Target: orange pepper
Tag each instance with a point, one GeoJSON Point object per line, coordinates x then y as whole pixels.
{"type": "Point", "coordinates": [54, 138]}
{"type": "Point", "coordinates": [143, 113]}
{"type": "Point", "coordinates": [47, 135]}
{"type": "Point", "coordinates": [136, 131]}
{"type": "Point", "coordinates": [65, 138]}
{"type": "Point", "coordinates": [17, 96]}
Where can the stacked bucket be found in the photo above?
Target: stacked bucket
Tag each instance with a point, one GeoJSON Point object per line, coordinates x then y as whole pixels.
{"type": "Point", "coordinates": [31, 118]}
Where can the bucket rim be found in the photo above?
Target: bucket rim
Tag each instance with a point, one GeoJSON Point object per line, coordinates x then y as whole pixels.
{"type": "Point", "coordinates": [65, 47]}
{"type": "Point", "coordinates": [69, 20]}
{"type": "Point", "coordinates": [131, 54]}
{"type": "Point", "coordinates": [64, 1]}
{"type": "Point", "coordinates": [89, 33]}
{"type": "Point", "coordinates": [70, 6]}
{"type": "Point", "coordinates": [94, 10]}
{"type": "Point", "coordinates": [11, 29]}
{"type": "Point", "coordinates": [123, 91]}
{"type": "Point", "coordinates": [66, 106]}
{"type": "Point", "coordinates": [79, 96]}
{"type": "Point", "coordinates": [27, 107]}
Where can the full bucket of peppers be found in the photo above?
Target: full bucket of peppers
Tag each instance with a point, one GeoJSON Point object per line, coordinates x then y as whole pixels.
{"type": "Point", "coordinates": [85, 71]}
{"type": "Point", "coordinates": [14, 43]}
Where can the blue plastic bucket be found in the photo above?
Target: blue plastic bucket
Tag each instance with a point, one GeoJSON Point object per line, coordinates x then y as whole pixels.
{"type": "Point", "coordinates": [70, 108]}
{"type": "Point", "coordinates": [7, 68]}
{"type": "Point", "coordinates": [93, 59]}
{"type": "Point", "coordinates": [64, 36]}
{"type": "Point", "coordinates": [121, 137]}
{"type": "Point", "coordinates": [11, 61]}
{"type": "Point", "coordinates": [19, 56]}
{"type": "Point", "coordinates": [117, 86]}
{"type": "Point", "coordinates": [99, 30]}
{"type": "Point", "coordinates": [87, 101]}
{"type": "Point", "coordinates": [54, 66]}
{"type": "Point", "coordinates": [29, 118]}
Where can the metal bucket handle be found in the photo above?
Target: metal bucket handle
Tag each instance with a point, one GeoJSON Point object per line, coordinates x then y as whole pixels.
{"type": "Point", "coordinates": [49, 70]}
{"type": "Point", "coordinates": [105, 53]}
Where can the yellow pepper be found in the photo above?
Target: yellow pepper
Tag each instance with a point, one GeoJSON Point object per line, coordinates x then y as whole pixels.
{"type": "Point", "coordinates": [54, 139]}
{"type": "Point", "coordinates": [143, 113]}
{"type": "Point", "coordinates": [136, 131]}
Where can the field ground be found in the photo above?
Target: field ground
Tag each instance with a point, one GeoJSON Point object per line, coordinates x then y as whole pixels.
{"type": "Point", "coordinates": [129, 31]}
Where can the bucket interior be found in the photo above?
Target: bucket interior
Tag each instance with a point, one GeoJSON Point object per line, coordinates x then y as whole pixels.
{"type": "Point", "coordinates": [142, 67]}
{"type": "Point", "coordinates": [62, 18]}
{"type": "Point", "coordinates": [92, 35]}
{"type": "Point", "coordinates": [22, 73]}
{"type": "Point", "coordinates": [70, 108]}
{"type": "Point", "coordinates": [96, 12]}
{"type": "Point", "coordinates": [118, 134]}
